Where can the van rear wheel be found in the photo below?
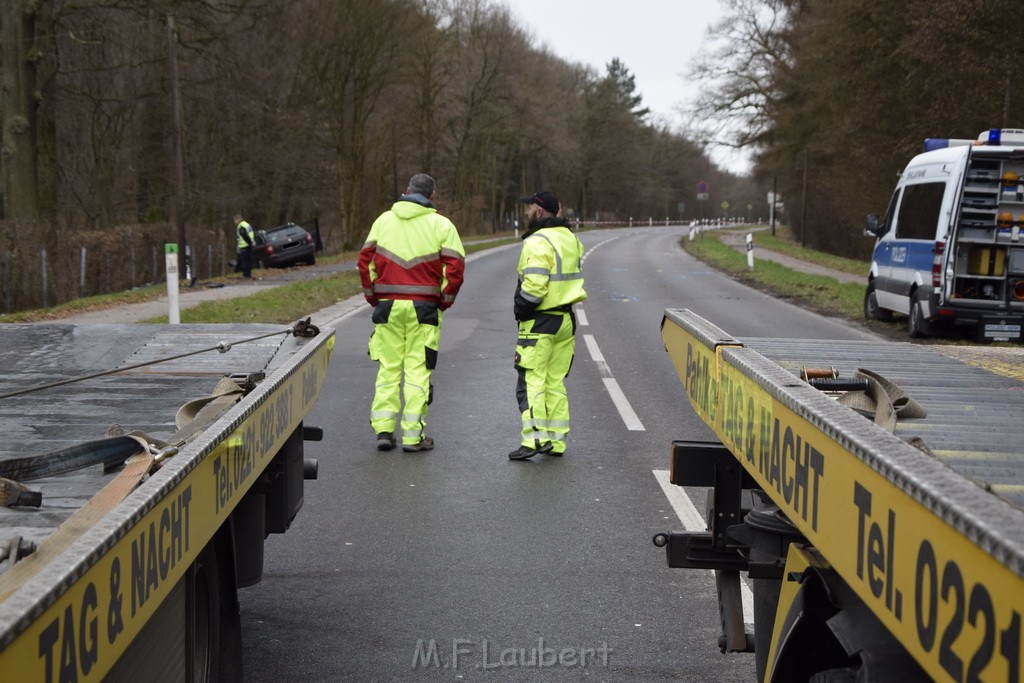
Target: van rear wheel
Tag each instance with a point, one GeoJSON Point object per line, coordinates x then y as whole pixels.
{"type": "Point", "coordinates": [872, 311]}
{"type": "Point", "coordinates": [917, 326]}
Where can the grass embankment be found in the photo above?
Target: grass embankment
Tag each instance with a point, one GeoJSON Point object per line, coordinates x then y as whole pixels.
{"type": "Point", "coordinates": [821, 292]}
{"type": "Point", "coordinates": [784, 245]}
{"type": "Point", "coordinates": [290, 302]}
{"type": "Point", "coordinates": [282, 304]}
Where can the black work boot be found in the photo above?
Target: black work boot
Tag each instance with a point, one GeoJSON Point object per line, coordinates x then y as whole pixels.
{"type": "Point", "coordinates": [385, 441]}
{"type": "Point", "coordinates": [425, 444]}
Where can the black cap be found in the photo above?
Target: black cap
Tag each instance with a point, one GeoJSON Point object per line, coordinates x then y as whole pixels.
{"type": "Point", "coordinates": [544, 200]}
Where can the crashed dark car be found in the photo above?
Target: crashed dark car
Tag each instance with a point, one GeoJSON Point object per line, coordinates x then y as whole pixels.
{"type": "Point", "coordinates": [284, 245]}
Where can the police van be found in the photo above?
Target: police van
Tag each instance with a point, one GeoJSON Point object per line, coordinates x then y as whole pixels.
{"type": "Point", "coordinates": [949, 250]}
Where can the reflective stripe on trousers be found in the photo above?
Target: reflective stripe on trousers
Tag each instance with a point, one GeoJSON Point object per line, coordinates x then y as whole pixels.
{"type": "Point", "coordinates": [544, 353]}
{"type": "Point", "coordinates": [404, 344]}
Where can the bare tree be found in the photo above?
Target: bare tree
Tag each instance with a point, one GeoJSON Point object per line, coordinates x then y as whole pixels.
{"type": "Point", "coordinates": [747, 55]}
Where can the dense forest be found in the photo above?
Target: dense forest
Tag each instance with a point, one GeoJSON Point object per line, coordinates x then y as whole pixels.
{"type": "Point", "coordinates": [835, 96]}
{"type": "Point", "coordinates": [322, 109]}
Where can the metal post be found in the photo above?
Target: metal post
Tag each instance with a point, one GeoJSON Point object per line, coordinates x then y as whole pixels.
{"type": "Point", "coordinates": [42, 255]}
{"type": "Point", "coordinates": [7, 281]}
{"type": "Point", "coordinates": [803, 205]}
{"type": "Point", "coordinates": [209, 261]}
{"type": "Point", "coordinates": [775, 199]}
{"type": "Point", "coordinates": [81, 273]}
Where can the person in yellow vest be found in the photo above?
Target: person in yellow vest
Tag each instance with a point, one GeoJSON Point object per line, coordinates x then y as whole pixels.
{"type": "Point", "coordinates": [411, 267]}
{"type": "Point", "coordinates": [550, 282]}
{"type": "Point", "coordinates": [244, 242]}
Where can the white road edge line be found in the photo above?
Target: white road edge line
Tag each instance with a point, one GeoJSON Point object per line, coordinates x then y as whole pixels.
{"type": "Point", "coordinates": [626, 411]}
{"type": "Point", "coordinates": [692, 521]}
{"type": "Point", "coordinates": [595, 353]}
{"type": "Point", "coordinates": [581, 317]}
{"type": "Point", "coordinates": [629, 417]}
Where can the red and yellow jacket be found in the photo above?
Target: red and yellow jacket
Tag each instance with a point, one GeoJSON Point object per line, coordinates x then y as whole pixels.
{"type": "Point", "coordinates": [412, 252]}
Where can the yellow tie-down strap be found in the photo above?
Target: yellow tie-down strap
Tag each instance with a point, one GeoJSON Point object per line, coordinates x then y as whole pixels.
{"type": "Point", "coordinates": [80, 614]}
{"type": "Point", "coordinates": [933, 555]}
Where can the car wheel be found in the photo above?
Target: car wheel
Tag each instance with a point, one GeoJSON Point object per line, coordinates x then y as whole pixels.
{"type": "Point", "coordinates": [917, 326]}
{"type": "Point", "coordinates": [311, 260]}
{"type": "Point", "coordinates": [872, 311]}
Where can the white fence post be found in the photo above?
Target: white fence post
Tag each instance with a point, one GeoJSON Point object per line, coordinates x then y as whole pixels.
{"type": "Point", "coordinates": [171, 265]}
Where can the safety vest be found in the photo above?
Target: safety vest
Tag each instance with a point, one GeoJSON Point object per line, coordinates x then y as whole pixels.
{"type": "Point", "coordinates": [549, 267]}
{"type": "Point", "coordinates": [412, 252]}
{"type": "Point", "coordinates": [239, 229]}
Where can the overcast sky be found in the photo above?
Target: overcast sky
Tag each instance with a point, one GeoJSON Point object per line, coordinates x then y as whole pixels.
{"type": "Point", "coordinates": [657, 41]}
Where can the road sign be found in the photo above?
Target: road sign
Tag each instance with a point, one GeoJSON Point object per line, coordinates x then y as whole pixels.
{"type": "Point", "coordinates": [724, 205]}
{"type": "Point", "coordinates": [702, 196]}
{"type": "Point", "coordinates": [702, 187]}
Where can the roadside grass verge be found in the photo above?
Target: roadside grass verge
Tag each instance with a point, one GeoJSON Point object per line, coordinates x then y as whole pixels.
{"type": "Point", "coordinates": [88, 303]}
{"type": "Point", "coordinates": [290, 302]}
{"type": "Point", "coordinates": [783, 245]}
{"type": "Point", "coordinates": [278, 305]}
{"type": "Point", "coordinates": [821, 292]}
{"type": "Point", "coordinates": [284, 304]}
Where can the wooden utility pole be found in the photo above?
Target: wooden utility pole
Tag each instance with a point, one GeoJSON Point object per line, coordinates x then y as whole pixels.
{"type": "Point", "coordinates": [178, 171]}
{"type": "Point", "coordinates": [1006, 98]}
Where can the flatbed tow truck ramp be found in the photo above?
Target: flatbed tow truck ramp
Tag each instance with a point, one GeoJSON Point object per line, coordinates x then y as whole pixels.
{"type": "Point", "coordinates": [880, 546]}
{"type": "Point", "coordinates": [140, 484]}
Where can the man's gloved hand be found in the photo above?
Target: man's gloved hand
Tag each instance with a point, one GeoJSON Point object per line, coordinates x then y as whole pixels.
{"type": "Point", "coordinates": [522, 309]}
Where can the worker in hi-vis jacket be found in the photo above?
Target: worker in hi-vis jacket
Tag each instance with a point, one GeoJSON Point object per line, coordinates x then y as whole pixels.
{"type": "Point", "coordinates": [411, 268]}
{"type": "Point", "coordinates": [550, 282]}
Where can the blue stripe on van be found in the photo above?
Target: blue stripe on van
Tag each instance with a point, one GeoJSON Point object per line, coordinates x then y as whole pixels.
{"type": "Point", "coordinates": [906, 255]}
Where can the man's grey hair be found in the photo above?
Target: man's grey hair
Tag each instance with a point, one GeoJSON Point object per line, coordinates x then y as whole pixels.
{"type": "Point", "coordinates": [422, 184]}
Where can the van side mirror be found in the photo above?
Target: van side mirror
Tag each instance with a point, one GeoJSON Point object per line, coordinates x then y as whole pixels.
{"type": "Point", "coordinates": [874, 226]}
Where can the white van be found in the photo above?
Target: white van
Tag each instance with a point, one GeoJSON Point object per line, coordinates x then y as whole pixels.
{"type": "Point", "coordinates": [949, 249]}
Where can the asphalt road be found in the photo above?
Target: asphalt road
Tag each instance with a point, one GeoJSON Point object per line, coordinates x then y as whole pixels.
{"type": "Point", "coordinates": [458, 564]}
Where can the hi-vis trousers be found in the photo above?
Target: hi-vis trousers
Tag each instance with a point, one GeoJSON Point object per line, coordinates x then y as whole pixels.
{"type": "Point", "coordinates": [544, 353]}
{"type": "Point", "coordinates": [404, 343]}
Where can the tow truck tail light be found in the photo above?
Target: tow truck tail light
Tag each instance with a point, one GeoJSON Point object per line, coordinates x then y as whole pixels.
{"type": "Point", "coordinates": [940, 248]}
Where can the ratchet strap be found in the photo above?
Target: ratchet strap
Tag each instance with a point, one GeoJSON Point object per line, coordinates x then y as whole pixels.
{"type": "Point", "coordinates": [883, 400]}
{"type": "Point", "coordinates": [135, 469]}
{"type": "Point", "coordinates": [191, 419]}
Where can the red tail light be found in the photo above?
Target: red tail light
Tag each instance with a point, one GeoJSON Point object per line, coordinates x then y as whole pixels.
{"type": "Point", "coordinates": [269, 249]}
{"type": "Point", "coordinates": [1018, 290]}
{"type": "Point", "coordinates": [309, 239]}
{"type": "Point", "coordinates": [940, 248]}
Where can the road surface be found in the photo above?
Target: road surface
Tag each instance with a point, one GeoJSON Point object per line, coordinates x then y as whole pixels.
{"type": "Point", "coordinates": [458, 564]}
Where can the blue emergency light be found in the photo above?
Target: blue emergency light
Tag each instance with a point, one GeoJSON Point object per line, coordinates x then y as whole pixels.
{"type": "Point", "coordinates": [994, 137]}
{"type": "Point", "coordinates": [932, 144]}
